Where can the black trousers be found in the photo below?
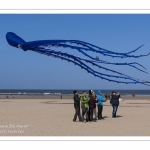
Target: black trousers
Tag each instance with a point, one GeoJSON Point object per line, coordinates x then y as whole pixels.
{"type": "Point", "coordinates": [85, 112]}
{"type": "Point", "coordinates": [100, 109]}
{"type": "Point", "coordinates": [77, 113]}
{"type": "Point", "coordinates": [90, 114]}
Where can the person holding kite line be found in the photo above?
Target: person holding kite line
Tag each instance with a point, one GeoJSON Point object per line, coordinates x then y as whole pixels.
{"type": "Point", "coordinates": [114, 102]}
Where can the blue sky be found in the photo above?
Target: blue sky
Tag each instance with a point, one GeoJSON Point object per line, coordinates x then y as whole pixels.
{"type": "Point", "coordinates": [30, 70]}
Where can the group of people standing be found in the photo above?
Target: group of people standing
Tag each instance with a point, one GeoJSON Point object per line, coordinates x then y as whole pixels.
{"type": "Point", "coordinates": [88, 105]}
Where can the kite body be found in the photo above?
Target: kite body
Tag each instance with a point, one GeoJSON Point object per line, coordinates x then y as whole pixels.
{"type": "Point", "coordinates": [45, 47]}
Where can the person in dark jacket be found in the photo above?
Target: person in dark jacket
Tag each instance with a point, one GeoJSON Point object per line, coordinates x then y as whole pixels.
{"type": "Point", "coordinates": [91, 105]}
{"type": "Point", "coordinates": [114, 102]}
{"type": "Point", "coordinates": [76, 106]}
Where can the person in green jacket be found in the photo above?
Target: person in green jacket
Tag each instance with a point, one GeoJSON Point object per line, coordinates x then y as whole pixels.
{"type": "Point", "coordinates": [84, 105]}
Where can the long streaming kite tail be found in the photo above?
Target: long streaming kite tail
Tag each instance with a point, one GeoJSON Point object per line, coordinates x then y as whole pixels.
{"type": "Point", "coordinates": [135, 49]}
{"type": "Point", "coordinates": [61, 43]}
{"type": "Point", "coordinates": [116, 53]}
{"type": "Point", "coordinates": [56, 56]}
{"type": "Point", "coordinates": [69, 55]}
{"type": "Point", "coordinates": [109, 53]}
{"type": "Point", "coordinates": [98, 65]}
{"type": "Point", "coordinates": [116, 72]}
{"type": "Point", "coordinates": [105, 62]}
{"type": "Point", "coordinates": [85, 44]}
{"type": "Point", "coordinates": [104, 51]}
{"type": "Point", "coordinates": [90, 71]}
{"type": "Point", "coordinates": [81, 63]}
{"type": "Point", "coordinates": [100, 61]}
{"type": "Point", "coordinates": [146, 83]}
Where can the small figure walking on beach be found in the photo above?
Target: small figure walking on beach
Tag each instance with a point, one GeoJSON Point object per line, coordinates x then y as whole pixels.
{"type": "Point", "coordinates": [60, 96]}
{"type": "Point", "coordinates": [76, 106]}
{"type": "Point", "coordinates": [107, 97]}
{"type": "Point", "coordinates": [115, 103]}
{"type": "Point", "coordinates": [100, 104]}
{"type": "Point", "coordinates": [84, 105]}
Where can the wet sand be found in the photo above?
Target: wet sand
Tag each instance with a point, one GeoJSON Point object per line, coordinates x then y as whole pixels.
{"type": "Point", "coordinates": [54, 117]}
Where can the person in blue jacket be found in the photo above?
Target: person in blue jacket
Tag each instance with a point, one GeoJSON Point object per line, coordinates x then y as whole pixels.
{"type": "Point", "coordinates": [100, 99]}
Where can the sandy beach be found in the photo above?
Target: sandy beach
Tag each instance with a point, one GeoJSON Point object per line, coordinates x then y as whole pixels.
{"type": "Point", "coordinates": [54, 117]}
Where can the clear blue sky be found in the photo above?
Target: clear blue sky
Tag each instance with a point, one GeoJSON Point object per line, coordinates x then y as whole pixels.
{"type": "Point", "coordinates": [30, 70]}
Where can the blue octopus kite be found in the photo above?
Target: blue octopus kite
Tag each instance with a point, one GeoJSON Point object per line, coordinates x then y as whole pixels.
{"type": "Point", "coordinates": [45, 47]}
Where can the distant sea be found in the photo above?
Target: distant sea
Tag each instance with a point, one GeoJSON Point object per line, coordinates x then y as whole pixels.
{"type": "Point", "coordinates": [70, 92]}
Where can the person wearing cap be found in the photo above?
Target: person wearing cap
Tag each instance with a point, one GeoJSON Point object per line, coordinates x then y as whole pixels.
{"type": "Point", "coordinates": [76, 106]}
{"type": "Point", "coordinates": [84, 100]}
{"type": "Point", "coordinates": [100, 104]}
{"type": "Point", "coordinates": [114, 102]}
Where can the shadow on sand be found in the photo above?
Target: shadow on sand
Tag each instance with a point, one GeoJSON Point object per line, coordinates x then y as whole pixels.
{"type": "Point", "coordinates": [103, 118]}
{"type": "Point", "coordinates": [118, 116]}
{"type": "Point", "coordinates": [55, 102]}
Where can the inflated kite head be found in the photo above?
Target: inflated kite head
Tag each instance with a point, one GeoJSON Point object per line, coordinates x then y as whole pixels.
{"type": "Point", "coordinates": [16, 41]}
